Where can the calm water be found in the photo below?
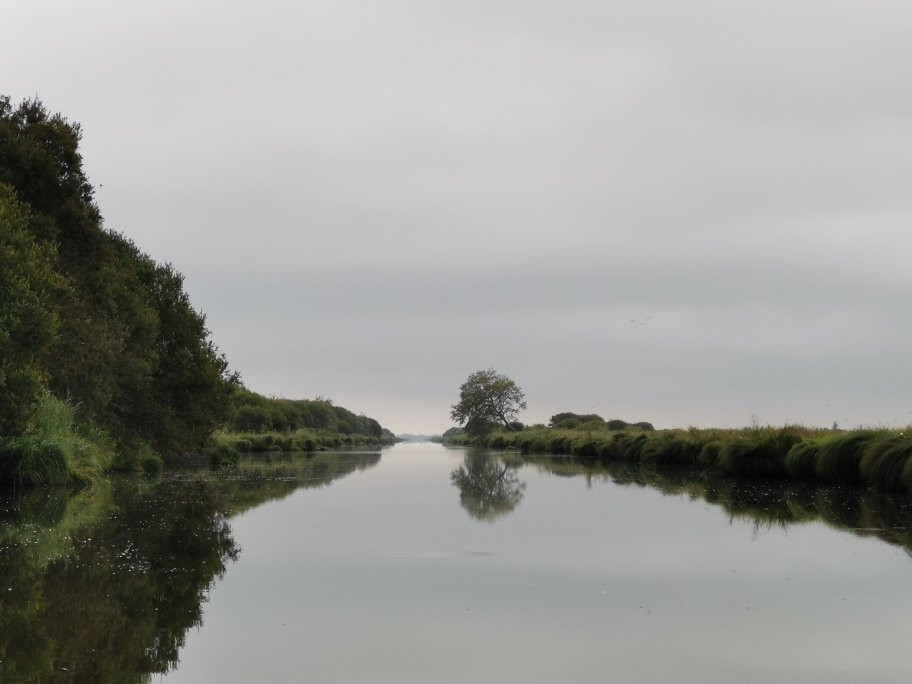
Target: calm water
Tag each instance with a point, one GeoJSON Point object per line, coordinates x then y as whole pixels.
{"type": "Point", "coordinates": [428, 564]}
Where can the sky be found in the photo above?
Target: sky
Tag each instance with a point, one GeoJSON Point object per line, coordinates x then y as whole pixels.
{"type": "Point", "coordinates": [686, 212]}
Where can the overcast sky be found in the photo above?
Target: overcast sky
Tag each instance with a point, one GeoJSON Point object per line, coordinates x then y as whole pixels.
{"type": "Point", "coordinates": [372, 199]}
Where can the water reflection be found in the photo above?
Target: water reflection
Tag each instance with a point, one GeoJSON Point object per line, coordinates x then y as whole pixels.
{"type": "Point", "coordinates": [488, 485]}
{"type": "Point", "coordinates": [103, 585]}
{"type": "Point", "coordinates": [766, 503]}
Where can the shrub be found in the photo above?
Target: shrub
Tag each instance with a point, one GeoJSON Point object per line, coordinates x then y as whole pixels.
{"type": "Point", "coordinates": [151, 465]}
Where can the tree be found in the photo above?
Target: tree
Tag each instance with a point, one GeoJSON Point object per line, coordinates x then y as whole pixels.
{"type": "Point", "coordinates": [27, 320]}
{"type": "Point", "coordinates": [488, 399]}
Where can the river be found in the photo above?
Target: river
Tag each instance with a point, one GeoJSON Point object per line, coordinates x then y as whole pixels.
{"type": "Point", "coordinates": [423, 563]}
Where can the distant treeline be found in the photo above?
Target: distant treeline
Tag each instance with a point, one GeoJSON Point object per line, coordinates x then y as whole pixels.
{"type": "Point", "coordinates": [104, 362]}
{"type": "Point", "coordinates": [560, 421]}
{"type": "Point", "coordinates": [255, 413]}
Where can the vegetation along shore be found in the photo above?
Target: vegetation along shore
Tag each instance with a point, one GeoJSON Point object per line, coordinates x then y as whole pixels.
{"type": "Point", "coordinates": [104, 362]}
{"type": "Point", "coordinates": [876, 458]}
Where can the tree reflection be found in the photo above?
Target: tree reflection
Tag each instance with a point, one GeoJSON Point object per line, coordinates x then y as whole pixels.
{"type": "Point", "coordinates": [488, 487]}
{"type": "Point", "coordinates": [103, 585]}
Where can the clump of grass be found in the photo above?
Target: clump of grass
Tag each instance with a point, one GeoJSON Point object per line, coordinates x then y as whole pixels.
{"type": "Point", "coordinates": [752, 457]}
{"type": "Point", "coordinates": [883, 461]}
{"type": "Point", "coordinates": [35, 462]}
{"type": "Point", "coordinates": [839, 456]}
{"type": "Point", "coordinates": [55, 450]}
{"type": "Point", "coordinates": [627, 446]}
{"type": "Point", "coordinates": [709, 454]}
{"type": "Point", "coordinates": [497, 441]}
{"type": "Point", "coordinates": [222, 456]}
{"type": "Point", "coordinates": [905, 477]}
{"type": "Point", "coordinates": [585, 447]}
{"type": "Point", "coordinates": [137, 456]}
{"type": "Point", "coordinates": [670, 449]}
{"type": "Point", "coordinates": [801, 460]}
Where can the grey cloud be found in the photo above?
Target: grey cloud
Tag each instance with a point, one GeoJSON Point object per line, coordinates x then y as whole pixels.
{"type": "Point", "coordinates": [371, 200]}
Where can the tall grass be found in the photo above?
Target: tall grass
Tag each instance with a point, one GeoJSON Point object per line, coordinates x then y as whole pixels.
{"type": "Point", "coordinates": [879, 459]}
{"type": "Point", "coordinates": [55, 450]}
{"type": "Point", "coordinates": [839, 456]}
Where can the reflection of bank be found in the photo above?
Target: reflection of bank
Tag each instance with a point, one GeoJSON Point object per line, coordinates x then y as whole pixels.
{"type": "Point", "coordinates": [103, 585]}
{"type": "Point", "coordinates": [488, 487]}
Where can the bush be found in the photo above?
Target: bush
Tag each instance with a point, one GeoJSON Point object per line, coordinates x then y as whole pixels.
{"type": "Point", "coordinates": [151, 465]}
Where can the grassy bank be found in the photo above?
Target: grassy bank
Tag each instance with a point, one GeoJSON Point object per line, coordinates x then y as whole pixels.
{"type": "Point", "coordinates": [229, 446]}
{"type": "Point", "coordinates": [59, 450]}
{"type": "Point", "coordinates": [877, 458]}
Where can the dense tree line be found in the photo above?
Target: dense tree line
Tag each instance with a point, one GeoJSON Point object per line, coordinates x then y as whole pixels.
{"type": "Point", "coordinates": [85, 313]}
{"type": "Point", "coordinates": [88, 319]}
{"type": "Point", "coordinates": [256, 413]}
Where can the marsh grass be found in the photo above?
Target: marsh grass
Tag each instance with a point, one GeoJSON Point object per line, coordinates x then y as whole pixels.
{"type": "Point", "coordinates": [883, 461]}
{"type": "Point", "coordinates": [880, 459]}
{"type": "Point", "coordinates": [839, 456]}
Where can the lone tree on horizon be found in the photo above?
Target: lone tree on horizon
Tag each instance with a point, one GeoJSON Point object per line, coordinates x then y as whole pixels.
{"type": "Point", "coordinates": [488, 399]}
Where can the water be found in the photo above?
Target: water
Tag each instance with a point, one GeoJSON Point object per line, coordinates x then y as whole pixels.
{"type": "Point", "coordinates": [428, 564]}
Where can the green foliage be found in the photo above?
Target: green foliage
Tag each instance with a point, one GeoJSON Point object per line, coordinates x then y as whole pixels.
{"type": "Point", "coordinates": [222, 456]}
{"type": "Point", "coordinates": [55, 450]}
{"type": "Point", "coordinates": [488, 399]}
{"type": "Point", "coordinates": [255, 413]}
{"type": "Point", "coordinates": [839, 456]}
{"type": "Point", "coordinates": [27, 321]}
{"type": "Point", "coordinates": [299, 440]}
{"type": "Point", "coordinates": [801, 460]}
{"type": "Point", "coordinates": [877, 458]}
{"type": "Point", "coordinates": [883, 461]}
{"type": "Point", "coordinates": [130, 351]}
{"type": "Point", "coordinates": [570, 421]}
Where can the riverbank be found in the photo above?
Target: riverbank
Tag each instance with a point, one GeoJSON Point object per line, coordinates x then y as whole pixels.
{"type": "Point", "coordinates": [229, 446]}
{"type": "Point", "coordinates": [876, 458]}
{"type": "Point", "coordinates": [58, 450]}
